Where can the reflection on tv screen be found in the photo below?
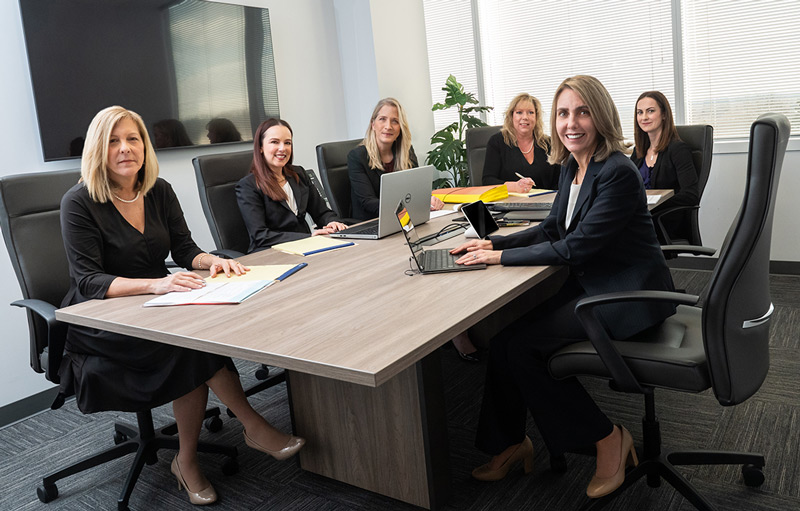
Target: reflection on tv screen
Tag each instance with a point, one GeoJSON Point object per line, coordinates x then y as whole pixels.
{"type": "Point", "coordinates": [198, 72]}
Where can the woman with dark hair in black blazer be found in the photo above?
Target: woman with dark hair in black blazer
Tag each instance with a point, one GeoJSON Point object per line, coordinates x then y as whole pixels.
{"type": "Point", "coordinates": [274, 198]}
{"type": "Point", "coordinates": [600, 228]}
{"type": "Point", "coordinates": [664, 161]}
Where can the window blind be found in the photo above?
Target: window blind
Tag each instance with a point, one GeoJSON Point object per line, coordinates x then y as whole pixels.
{"type": "Point", "coordinates": [741, 59]}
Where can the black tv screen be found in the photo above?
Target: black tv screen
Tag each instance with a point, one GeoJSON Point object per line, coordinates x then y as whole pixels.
{"type": "Point", "coordinates": [197, 72]}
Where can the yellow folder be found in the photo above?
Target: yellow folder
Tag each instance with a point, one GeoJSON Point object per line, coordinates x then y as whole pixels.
{"type": "Point", "coordinates": [489, 193]}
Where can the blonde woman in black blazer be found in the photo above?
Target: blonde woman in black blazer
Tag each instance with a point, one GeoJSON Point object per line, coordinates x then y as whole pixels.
{"type": "Point", "coordinates": [275, 197]}
{"type": "Point", "coordinates": [599, 227]}
{"type": "Point", "coordinates": [665, 161]}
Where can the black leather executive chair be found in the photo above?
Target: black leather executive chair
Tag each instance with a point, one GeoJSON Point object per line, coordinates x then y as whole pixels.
{"type": "Point", "coordinates": [700, 139]}
{"type": "Point", "coordinates": [476, 140]}
{"type": "Point", "coordinates": [217, 175]}
{"type": "Point", "coordinates": [332, 161]}
{"type": "Point", "coordinates": [723, 345]}
{"type": "Point", "coordinates": [29, 216]}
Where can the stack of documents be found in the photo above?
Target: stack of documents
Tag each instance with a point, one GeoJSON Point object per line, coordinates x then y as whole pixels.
{"type": "Point", "coordinates": [312, 245]}
{"type": "Point", "coordinates": [222, 289]}
{"type": "Point", "coordinates": [471, 194]}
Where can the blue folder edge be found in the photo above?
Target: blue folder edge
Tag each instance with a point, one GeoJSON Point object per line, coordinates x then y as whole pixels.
{"type": "Point", "coordinates": [292, 271]}
{"type": "Point", "coordinates": [349, 243]}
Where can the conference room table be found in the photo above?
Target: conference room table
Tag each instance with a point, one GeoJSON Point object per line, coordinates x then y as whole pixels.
{"type": "Point", "coordinates": [358, 335]}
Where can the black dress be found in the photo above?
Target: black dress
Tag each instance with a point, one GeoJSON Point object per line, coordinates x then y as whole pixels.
{"type": "Point", "coordinates": [502, 161]}
{"type": "Point", "coordinates": [109, 371]}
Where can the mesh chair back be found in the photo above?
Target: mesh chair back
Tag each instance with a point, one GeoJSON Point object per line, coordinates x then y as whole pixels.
{"type": "Point", "coordinates": [476, 140]}
{"type": "Point", "coordinates": [700, 138]}
{"type": "Point", "coordinates": [332, 161]}
{"type": "Point", "coordinates": [30, 206]}
{"type": "Point", "coordinates": [736, 313]}
{"type": "Point", "coordinates": [217, 175]}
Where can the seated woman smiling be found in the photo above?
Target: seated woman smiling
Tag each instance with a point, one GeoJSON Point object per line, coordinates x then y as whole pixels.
{"type": "Point", "coordinates": [275, 197]}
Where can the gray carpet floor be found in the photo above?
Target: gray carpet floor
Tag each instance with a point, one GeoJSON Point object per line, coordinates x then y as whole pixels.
{"type": "Point", "coordinates": [768, 423]}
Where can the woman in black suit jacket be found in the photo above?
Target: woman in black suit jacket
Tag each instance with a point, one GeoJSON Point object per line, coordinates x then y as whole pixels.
{"type": "Point", "coordinates": [520, 149]}
{"type": "Point", "coordinates": [274, 198]}
{"type": "Point", "coordinates": [665, 161]}
{"type": "Point", "coordinates": [600, 228]}
{"type": "Point", "coordinates": [386, 147]}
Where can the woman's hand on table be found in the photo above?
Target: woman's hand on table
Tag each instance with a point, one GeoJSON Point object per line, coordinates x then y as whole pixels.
{"type": "Point", "coordinates": [330, 228]}
{"type": "Point", "coordinates": [178, 281]}
{"type": "Point", "coordinates": [436, 203]}
{"type": "Point", "coordinates": [219, 265]}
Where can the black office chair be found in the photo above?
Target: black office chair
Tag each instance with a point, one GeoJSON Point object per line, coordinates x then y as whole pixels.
{"type": "Point", "coordinates": [476, 140]}
{"type": "Point", "coordinates": [724, 345]}
{"type": "Point", "coordinates": [217, 175]}
{"type": "Point", "coordinates": [332, 161]}
{"type": "Point", "coordinates": [700, 139]}
{"type": "Point", "coordinates": [29, 216]}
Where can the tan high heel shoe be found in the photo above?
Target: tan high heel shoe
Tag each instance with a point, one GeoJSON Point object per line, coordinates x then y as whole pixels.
{"type": "Point", "coordinates": [201, 498]}
{"type": "Point", "coordinates": [523, 453]}
{"type": "Point", "coordinates": [291, 448]}
{"type": "Point", "coordinates": [602, 486]}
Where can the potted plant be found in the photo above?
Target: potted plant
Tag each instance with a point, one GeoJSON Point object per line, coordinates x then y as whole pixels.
{"type": "Point", "coordinates": [449, 154]}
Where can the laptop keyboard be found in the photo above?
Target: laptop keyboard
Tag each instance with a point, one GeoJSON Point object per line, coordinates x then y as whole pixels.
{"type": "Point", "coordinates": [439, 259]}
{"type": "Point", "coordinates": [520, 206]}
{"type": "Point", "coordinates": [368, 228]}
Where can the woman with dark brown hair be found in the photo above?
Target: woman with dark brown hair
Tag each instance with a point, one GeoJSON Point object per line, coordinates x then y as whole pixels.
{"type": "Point", "coordinates": [275, 197]}
{"type": "Point", "coordinates": [664, 161]}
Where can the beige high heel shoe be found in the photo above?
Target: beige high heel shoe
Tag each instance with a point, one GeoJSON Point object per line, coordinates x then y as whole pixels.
{"type": "Point", "coordinates": [602, 486]}
{"type": "Point", "coordinates": [523, 453]}
{"type": "Point", "coordinates": [201, 498]}
{"type": "Point", "coordinates": [291, 448]}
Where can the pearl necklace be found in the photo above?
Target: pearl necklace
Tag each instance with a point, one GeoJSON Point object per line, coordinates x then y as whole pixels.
{"type": "Point", "coordinates": [529, 150]}
{"type": "Point", "coordinates": [127, 201]}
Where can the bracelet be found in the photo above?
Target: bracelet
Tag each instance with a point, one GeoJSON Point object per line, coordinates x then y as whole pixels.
{"type": "Point", "coordinates": [200, 262]}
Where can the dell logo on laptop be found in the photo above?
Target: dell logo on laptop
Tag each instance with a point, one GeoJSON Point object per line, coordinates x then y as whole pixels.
{"type": "Point", "coordinates": [407, 198]}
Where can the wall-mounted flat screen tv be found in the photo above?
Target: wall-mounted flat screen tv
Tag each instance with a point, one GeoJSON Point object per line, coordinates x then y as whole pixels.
{"type": "Point", "coordinates": [198, 72]}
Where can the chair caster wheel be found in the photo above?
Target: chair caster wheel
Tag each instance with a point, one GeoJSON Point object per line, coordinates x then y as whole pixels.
{"type": "Point", "coordinates": [120, 438]}
{"type": "Point", "coordinates": [753, 475]}
{"type": "Point", "coordinates": [213, 424]}
{"type": "Point", "coordinates": [230, 467]}
{"type": "Point", "coordinates": [46, 493]}
{"type": "Point", "coordinates": [263, 373]}
{"type": "Point", "coordinates": [122, 506]}
{"type": "Point", "coordinates": [558, 464]}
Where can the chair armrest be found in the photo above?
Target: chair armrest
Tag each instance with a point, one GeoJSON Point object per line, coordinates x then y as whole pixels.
{"type": "Point", "coordinates": [601, 341]}
{"type": "Point", "coordinates": [664, 212]}
{"type": "Point", "coordinates": [226, 253]}
{"type": "Point", "coordinates": [56, 336]}
{"type": "Point", "coordinates": [688, 249]}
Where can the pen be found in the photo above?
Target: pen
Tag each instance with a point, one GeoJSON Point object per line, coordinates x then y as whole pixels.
{"type": "Point", "coordinates": [519, 175]}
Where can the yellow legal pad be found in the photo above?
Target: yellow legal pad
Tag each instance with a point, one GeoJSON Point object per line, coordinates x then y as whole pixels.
{"type": "Point", "coordinates": [489, 193]}
{"type": "Point", "coordinates": [311, 245]}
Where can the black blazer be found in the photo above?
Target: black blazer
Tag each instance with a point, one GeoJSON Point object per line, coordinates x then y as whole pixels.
{"type": "Point", "coordinates": [674, 170]}
{"type": "Point", "coordinates": [502, 161]}
{"type": "Point", "coordinates": [610, 245]}
{"type": "Point", "coordinates": [365, 183]}
{"type": "Point", "coordinates": [270, 222]}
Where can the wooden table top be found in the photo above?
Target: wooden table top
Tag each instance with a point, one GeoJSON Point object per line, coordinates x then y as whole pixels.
{"type": "Point", "coordinates": [352, 314]}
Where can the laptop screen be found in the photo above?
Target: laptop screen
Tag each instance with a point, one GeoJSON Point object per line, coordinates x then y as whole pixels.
{"type": "Point", "coordinates": [408, 230]}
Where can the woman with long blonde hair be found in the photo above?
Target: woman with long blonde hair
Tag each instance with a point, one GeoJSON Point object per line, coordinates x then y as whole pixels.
{"type": "Point", "coordinates": [386, 147]}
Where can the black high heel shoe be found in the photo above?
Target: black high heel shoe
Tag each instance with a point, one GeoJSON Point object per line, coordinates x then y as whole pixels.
{"type": "Point", "coordinates": [474, 357]}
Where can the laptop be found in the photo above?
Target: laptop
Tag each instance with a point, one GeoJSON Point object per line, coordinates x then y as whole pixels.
{"type": "Point", "coordinates": [413, 187]}
{"type": "Point", "coordinates": [438, 260]}
{"type": "Point", "coordinates": [481, 220]}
